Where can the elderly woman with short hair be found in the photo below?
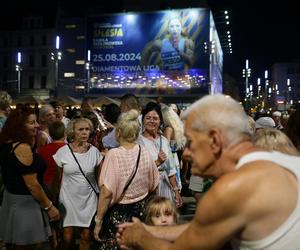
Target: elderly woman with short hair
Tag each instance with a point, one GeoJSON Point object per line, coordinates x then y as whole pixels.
{"type": "Point", "coordinates": [128, 176]}
{"type": "Point", "coordinates": [78, 161]}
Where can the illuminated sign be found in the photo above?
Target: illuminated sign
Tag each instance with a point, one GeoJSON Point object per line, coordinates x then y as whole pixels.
{"type": "Point", "coordinates": [163, 41]}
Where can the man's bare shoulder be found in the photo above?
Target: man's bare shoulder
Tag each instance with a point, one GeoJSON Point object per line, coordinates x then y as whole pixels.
{"type": "Point", "coordinates": [228, 194]}
{"type": "Point", "coordinates": [235, 189]}
{"type": "Point", "coordinates": [245, 199]}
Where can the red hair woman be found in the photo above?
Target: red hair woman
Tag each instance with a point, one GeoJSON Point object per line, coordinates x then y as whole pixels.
{"type": "Point", "coordinates": [26, 209]}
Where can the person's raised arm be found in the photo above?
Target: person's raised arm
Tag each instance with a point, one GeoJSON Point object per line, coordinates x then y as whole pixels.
{"type": "Point", "coordinates": [188, 54]}
{"type": "Point", "coordinates": [150, 48]}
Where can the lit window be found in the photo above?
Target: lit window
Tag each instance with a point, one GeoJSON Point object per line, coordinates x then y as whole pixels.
{"type": "Point", "coordinates": [70, 26]}
{"type": "Point", "coordinates": [79, 87]}
{"type": "Point", "coordinates": [70, 50]}
{"type": "Point", "coordinates": [69, 74]}
{"type": "Point", "coordinates": [80, 62]}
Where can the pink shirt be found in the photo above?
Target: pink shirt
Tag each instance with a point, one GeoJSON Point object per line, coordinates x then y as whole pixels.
{"type": "Point", "coordinates": [117, 168]}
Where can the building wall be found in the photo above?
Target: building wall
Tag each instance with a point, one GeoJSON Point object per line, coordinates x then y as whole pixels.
{"type": "Point", "coordinates": [35, 44]}
{"type": "Point", "coordinates": [282, 72]}
{"type": "Point", "coordinates": [72, 69]}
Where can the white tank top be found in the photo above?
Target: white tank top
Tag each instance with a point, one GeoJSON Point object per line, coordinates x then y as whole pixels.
{"type": "Point", "coordinates": [287, 235]}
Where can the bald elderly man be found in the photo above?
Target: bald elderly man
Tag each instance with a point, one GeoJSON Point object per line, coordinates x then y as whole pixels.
{"type": "Point", "coordinates": [253, 203]}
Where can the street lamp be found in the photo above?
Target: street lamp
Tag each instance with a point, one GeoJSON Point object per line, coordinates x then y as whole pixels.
{"type": "Point", "coordinates": [289, 89]}
{"type": "Point", "coordinates": [246, 75]}
{"type": "Point", "coordinates": [87, 67]}
{"type": "Point", "coordinates": [251, 92]}
{"type": "Point", "coordinates": [18, 69]}
{"type": "Point", "coordinates": [56, 56]}
{"type": "Point", "coordinates": [266, 89]}
{"type": "Point", "coordinates": [258, 88]}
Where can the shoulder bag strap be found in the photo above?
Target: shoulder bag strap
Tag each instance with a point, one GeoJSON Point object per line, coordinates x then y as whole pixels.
{"type": "Point", "coordinates": [135, 170]}
{"type": "Point", "coordinates": [81, 170]}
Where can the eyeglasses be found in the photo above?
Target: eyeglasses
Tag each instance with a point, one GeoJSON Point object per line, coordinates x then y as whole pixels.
{"type": "Point", "coordinates": [153, 118]}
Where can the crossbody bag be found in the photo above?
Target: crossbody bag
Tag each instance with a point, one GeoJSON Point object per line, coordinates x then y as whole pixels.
{"type": "Point", "coordinates": [82, 171]}
{"type": "Point", "coordinates": [128, 182]}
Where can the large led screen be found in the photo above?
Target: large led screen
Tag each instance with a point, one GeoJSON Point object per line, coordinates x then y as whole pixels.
{"type": "Point", "coordinates": [163, 41]}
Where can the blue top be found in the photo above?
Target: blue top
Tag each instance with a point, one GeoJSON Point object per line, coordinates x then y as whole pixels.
{"type": "Point", "coordinates": [170, 56]}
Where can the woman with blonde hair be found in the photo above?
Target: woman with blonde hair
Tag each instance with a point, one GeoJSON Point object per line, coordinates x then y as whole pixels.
{"type": "Point", "coordinates": [274, 139]}
{"type": "Point", "coordinates": [128, 176]}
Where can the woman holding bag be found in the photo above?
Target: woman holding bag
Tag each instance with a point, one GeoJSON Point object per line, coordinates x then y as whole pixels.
{"type": "Point", "coordinates": [78, 161]}
{"type": "Point", "coordinates": [128, 176]}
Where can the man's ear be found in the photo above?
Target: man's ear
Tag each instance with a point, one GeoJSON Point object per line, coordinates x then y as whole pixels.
{"type": "Point", "coordinates": [216, 140]}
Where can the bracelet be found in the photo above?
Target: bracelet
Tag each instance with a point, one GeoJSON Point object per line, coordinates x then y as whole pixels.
{"type": "Point", "coordinates": [47, 208]}
{"type": "Point", "coordinates": [97, 220]}
{"type": "Point", "coordinates": [176, 189]}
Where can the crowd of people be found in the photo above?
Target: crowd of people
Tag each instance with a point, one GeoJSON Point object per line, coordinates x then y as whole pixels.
{"type": "Point", "coordinates": [113, 177]}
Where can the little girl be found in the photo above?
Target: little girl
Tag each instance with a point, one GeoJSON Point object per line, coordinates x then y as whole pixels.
{"type": "Point", "coordinates": [161, 212]}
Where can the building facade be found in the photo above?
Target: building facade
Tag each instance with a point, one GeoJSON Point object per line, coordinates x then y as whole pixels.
{"type": "Point", "coordinates": [286, 78]}
{"type": "Point", "coordinates": [34, 43]}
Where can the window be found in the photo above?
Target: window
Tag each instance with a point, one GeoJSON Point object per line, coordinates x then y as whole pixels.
{"type": "Point", "coordinates": [43, 82]}
{"type": "Point", "coordinates": [44, 61]}
{"type": "Point", "coordinates": [19, 41]}
{"type": "Point", "coordinates": [31, 61]}
{"type": "Point", "coordinates": [80, 62]}
{"type": "Point", "coordinates": [4, 81]}
{"type": "Point", "coordinates": [5, 43]}
{"type": "Point", "coordinates": [80, 37]}
{"type": "Point", "coordinates": [31, 23]}
{"type": "Point", "coordinates": [69, 74]}
{"type": "Point", "coordinates": [290, 70]}
{"type": "Point", "coordinates": [71, 50]}
{"type": "Point", "coordinates": [44, 40]}
{"type": "Point", "coordinates": [70, 26]}
{"type": "Point", "coordinates": [31, 82]}
{"type": "Point", "coordinates": [5, 61]}
{"type": "Point", "coordinates": [31, 40]}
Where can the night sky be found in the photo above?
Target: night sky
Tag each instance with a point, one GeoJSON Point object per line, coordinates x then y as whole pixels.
{"type": "Point", "coordinates": [263, 31]}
